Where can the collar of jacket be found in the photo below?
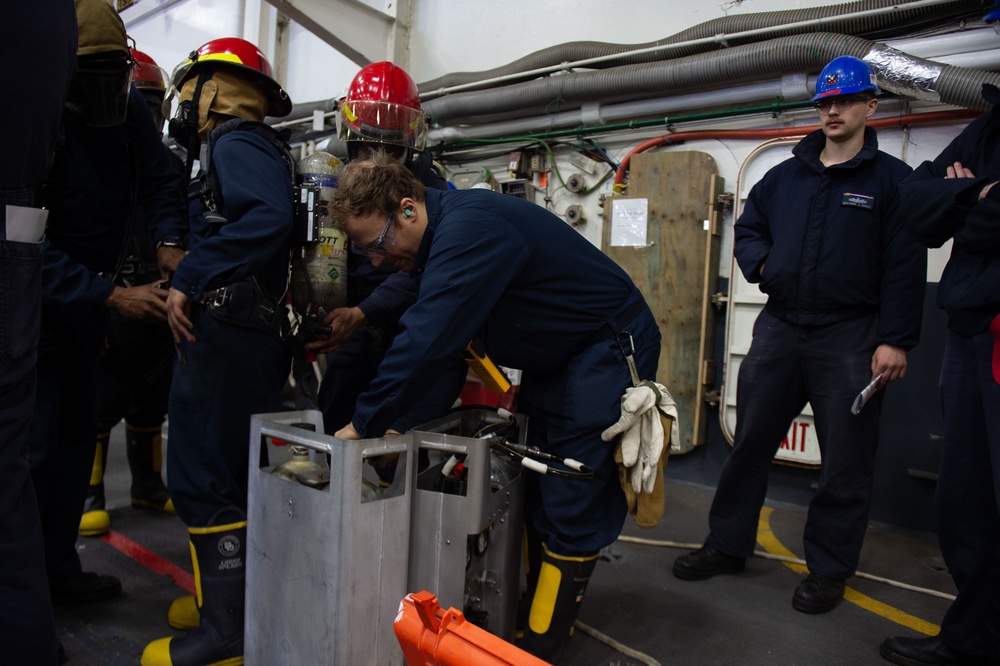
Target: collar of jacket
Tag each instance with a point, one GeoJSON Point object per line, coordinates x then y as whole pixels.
{"type": "Point", "coordinates": [433, 203]}
{"type": "Point", "coordinates": [991, 94]}
{"type": "Point", "coordinates": [809, 148]}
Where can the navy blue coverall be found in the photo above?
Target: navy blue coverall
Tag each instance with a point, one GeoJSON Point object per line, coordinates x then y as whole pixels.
{"type": "Point", "coordinates": [32, 127]}
{"type": "Point", "coordinates": [542, 299]}
{"type": "Point", "coordinates": [967, 498]}
{"type": "Point", "coordinates": [231, 370]}
{"type": "Point", "coordinates": [99, 175]}
{"type": "Point", "coordinates": [842, 277]}
{"type": "Point", "coordinates": [383, 294]}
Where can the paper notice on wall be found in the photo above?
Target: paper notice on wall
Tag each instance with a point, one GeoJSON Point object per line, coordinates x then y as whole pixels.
{"type": "Point", "coordinates": [629, 219]}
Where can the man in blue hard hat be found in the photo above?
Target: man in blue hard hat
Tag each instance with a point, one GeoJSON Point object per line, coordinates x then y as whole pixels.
{"type": "Point", "coordinates": [822, 236]}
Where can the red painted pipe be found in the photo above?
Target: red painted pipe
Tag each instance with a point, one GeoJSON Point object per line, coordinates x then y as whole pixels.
{"type": "Point", "coordinates": [786, 132]}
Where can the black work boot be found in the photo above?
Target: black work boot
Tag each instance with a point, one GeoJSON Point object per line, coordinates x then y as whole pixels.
{"type": "Point", "coordinates": [562, 583]}
{"type": "Point", "coordinates": [220, 572]}
{"type": "Point", "coordinates": [705, 563]}
{"type": "Point", "coordinates": [144, 447]}
{"type": "Point", "coordinates": [95, 520]}
{"type": "Point", "coordinates": [817, 594]}
{"type": "Point", "coordinates": [84, 588]}
{"type": "Point", "coordinates": [930, 650]}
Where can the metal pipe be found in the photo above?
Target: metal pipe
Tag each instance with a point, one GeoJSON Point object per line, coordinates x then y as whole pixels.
{"type": "Point", "coordinates": [721, 39]}
{"type": "Point", "coordinates": [597, 114]}
{"type": "Point", "coordinates": [849, 18]}
{"type": "Point", "coordinates": [897, 73]}
{"type": "Point", "coordinates": [784, 132]}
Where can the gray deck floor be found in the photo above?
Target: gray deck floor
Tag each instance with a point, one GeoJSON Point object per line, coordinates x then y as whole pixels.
{"type": "Point", "coordinates": [633, 598]}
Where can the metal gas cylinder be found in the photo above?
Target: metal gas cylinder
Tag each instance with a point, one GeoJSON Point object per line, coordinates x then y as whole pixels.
{"type": "Point", "coordinates": [300, 468]}
{"type": "Point", "coordinates": [319, 272]}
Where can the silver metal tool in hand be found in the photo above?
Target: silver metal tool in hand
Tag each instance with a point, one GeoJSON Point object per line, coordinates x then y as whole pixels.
{"type": "Point", "coordinates": [865, 395]}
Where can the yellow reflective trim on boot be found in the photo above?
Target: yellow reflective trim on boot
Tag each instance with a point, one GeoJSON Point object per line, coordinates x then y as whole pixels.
{"type": "Point", "coordinates": [157, 653]}
{"type": "Point", "coordinates": [97, 472]}
{"type": "Point", "coordinates": [217, 528]}
{"type": "Point", "coordinates": [197, 573]}
{"type": "Point", "coordinates": [570, 558]}
{"type": "Point", "coordinates": [95, 523]}
{"type": "Point", "coordinates": [183, 613]}
{"type": "Point", "coordinates": [233, 661]}
{"type": "Point", "coordinates": [543, 605]}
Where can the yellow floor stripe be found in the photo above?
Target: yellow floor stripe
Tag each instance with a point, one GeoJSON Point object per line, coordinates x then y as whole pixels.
{"type": "Point", "coordinates": [770, 543]}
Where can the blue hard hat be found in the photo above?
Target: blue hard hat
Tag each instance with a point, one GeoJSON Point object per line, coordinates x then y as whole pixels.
{"type": "Point", "coordinates": [845, 75]}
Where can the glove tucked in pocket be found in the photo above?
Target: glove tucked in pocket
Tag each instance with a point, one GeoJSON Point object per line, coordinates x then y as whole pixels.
{"type": "Point", "coordinates": [646, 508]}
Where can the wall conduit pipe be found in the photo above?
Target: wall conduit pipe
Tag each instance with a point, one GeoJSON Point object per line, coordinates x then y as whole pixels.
{"type": "Point", "coordinates": [782, 133]}
{"type": "Point", "coordinates": [857, 18]}
{"type": "Point", "coordinates": [897, 73]}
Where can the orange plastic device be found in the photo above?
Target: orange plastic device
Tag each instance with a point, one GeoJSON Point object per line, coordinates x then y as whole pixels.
{"type": "Point", "coordinates": [431, 636]}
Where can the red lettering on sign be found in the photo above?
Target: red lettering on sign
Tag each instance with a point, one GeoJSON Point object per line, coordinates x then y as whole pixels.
{"type": "Point", "coordinates": [803, 427]}
{"type": "Point", "coordinates": [798, 437]}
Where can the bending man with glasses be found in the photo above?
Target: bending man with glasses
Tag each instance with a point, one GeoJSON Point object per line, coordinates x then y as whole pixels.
{"type": "Point", "coordinates": [542, 299]}
{"type": "Point", "coordinates": [822, 236]}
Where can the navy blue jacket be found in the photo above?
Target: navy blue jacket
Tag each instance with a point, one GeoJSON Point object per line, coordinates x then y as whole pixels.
{"type": "Point", "coordinates": [832, 242]}
{"type": "Point", "coordinates": [936, 209]}
{"type": "Point", "coordinates": [257, 203]}
{"type": "Point", "coordinates": [494, 266]}
{"type": "Point", "coordinates": [91, 201]}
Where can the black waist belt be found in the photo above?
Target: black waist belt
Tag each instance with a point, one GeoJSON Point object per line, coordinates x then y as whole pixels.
{"type": "Point", "coordinates": [621, 320]}
{"type": "Point", "coordinates": [244, 304]}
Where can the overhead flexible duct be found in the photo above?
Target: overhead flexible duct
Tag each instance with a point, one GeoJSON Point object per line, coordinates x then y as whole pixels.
{"type": "Point", "coordinates": [863, 25]}
{"type": "Point", "coordinates": [897, 72]}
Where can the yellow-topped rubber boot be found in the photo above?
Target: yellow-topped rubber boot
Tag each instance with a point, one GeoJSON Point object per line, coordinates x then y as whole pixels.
{"type": "Point", "coordinates": [219, 556]}
{"type": "Point", "coordinates": [95, 520]}
{"type": "Point", "coordinates": [183, 613]}
{"type": "Point", "coordinates": [144, 447]}
{"type": "Point", "coordinates": [562, 583]}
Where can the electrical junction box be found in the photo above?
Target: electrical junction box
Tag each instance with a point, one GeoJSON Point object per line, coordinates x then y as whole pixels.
{"type": "Point", "coordinates": [536, 164]}
{"type": "Point", "coordinates": [463, 180]}
{"type": "Point", "coordinates": [520, 188]}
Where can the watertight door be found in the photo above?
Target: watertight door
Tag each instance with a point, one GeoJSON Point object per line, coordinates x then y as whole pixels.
{"type": "Point", "coordinates": [800, 446]}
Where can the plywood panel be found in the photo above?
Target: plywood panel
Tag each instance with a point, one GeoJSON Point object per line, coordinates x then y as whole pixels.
{"type": "Point", "coordinates": [677, 272]}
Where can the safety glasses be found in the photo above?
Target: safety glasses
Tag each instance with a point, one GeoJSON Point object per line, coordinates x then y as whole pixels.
{"type": "Point", "coordinates": [843, 103]}
{"type": "Point", "coordinates": [378, 246]}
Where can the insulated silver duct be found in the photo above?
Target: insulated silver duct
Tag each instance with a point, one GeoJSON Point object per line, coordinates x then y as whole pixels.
{"type": "Point", "coordinates": [575, 51]}
{"type": "Point", "coordinates": [897, 71]}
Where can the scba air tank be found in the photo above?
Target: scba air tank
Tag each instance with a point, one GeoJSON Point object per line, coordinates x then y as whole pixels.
{"type": "Point", "coordinates": [319, 276]}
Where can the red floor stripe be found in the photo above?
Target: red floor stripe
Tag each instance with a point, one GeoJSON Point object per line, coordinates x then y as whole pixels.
{"type": "Point", "coordinates": [150, 560]}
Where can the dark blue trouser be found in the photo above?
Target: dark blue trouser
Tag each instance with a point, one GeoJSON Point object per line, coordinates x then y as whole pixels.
{"type": "Point", "coordinates": [567, 412]}
{"type": "Point", "coordinates": [64, 428]}
{"type": "Point", "coordinates": [134, 375]}
{"type": "Point", "coordinates": [229, 373]}
{"type": "Point", "coordinates": [967, 500]}
{"type": "Point", "coordinates": [27, 632]}
{"type": "Point", "coordinates": [786, 367]}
